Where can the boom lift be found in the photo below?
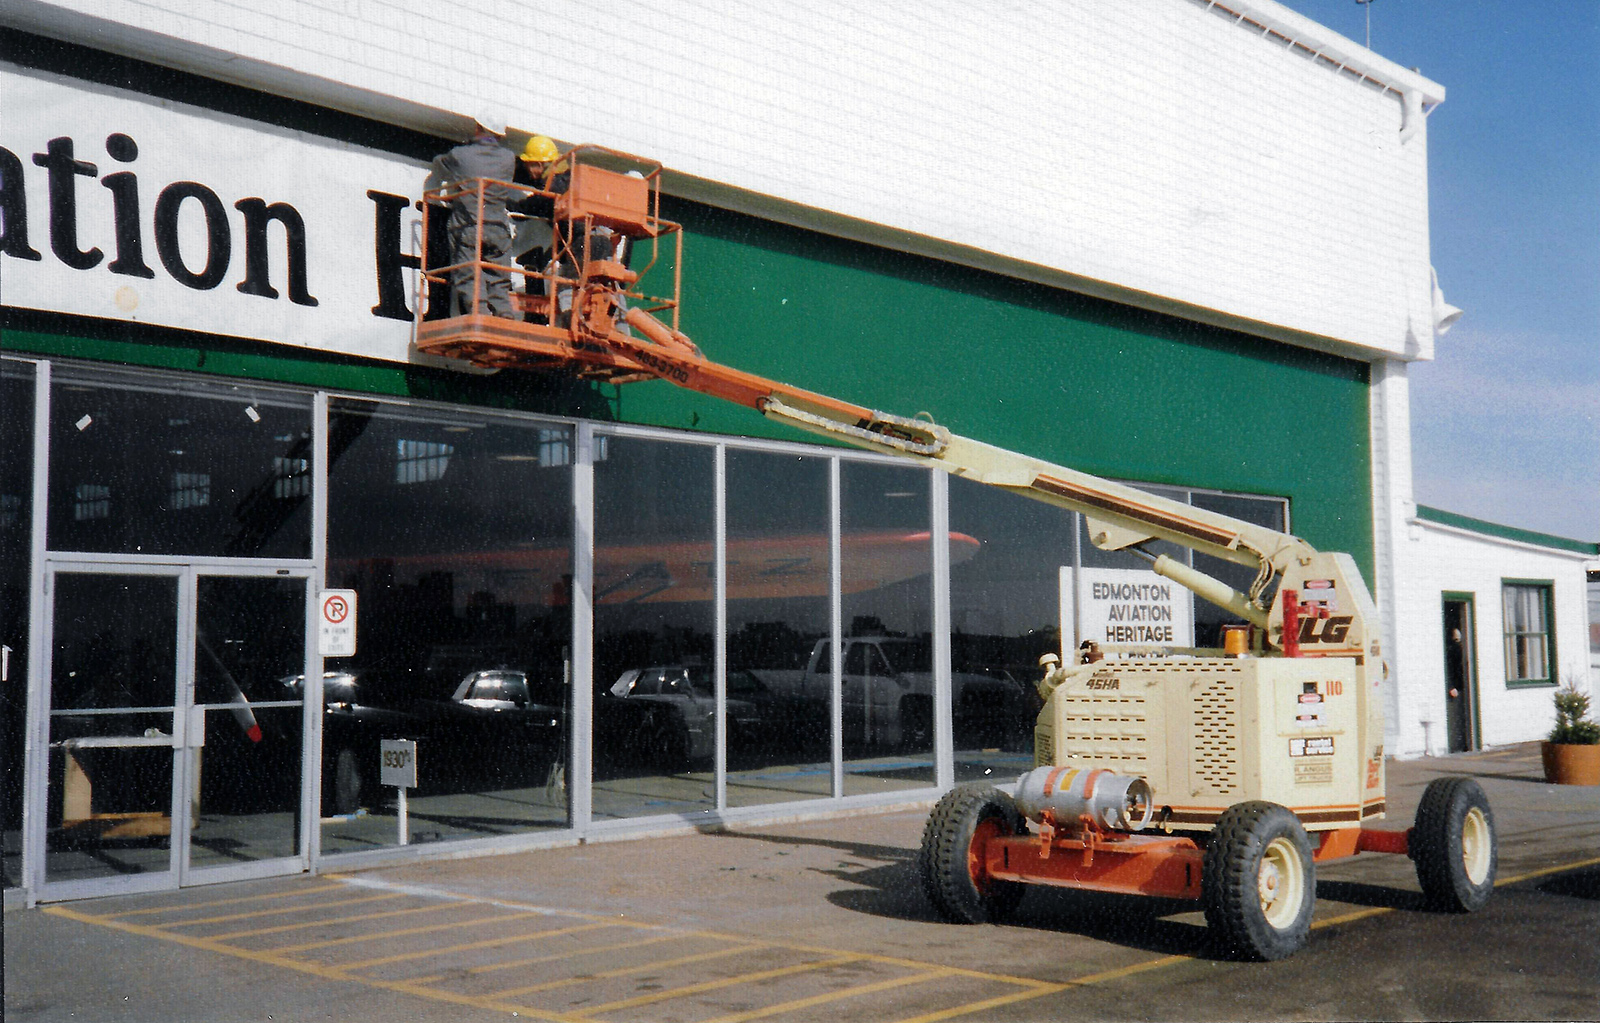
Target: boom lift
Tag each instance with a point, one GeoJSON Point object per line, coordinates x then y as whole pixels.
{"type": "Point", "coordinates": [1221, 776]}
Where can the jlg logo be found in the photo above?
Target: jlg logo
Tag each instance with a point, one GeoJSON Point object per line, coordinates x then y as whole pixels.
{"type": "Point", "coordinates": [1325, 630]}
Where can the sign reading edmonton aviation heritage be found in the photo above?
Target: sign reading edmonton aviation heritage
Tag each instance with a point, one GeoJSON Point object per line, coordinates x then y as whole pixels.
{"type": "Point", "coordinates": [124, 206]}
{"type": "Point", "coordinates": [1125, 605]}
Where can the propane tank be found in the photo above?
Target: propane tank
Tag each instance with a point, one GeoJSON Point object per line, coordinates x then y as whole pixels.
{"type": "Point", "coordinates": [1115, 801]}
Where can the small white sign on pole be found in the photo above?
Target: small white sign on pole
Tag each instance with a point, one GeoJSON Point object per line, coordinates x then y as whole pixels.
{"type": "Point", "coordinates": [398, 767]}
{"type": "Point", "coordinates": [399, 763]}
{"type": "Point", "coordinates": [336, 633]}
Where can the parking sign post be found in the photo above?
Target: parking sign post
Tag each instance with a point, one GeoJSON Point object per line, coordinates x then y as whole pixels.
{"type": "Point", "coordinates": [398, 767]}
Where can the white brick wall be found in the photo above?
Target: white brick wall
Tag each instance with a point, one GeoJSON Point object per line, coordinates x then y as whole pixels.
{"type": "Point", "coordinates": [1436, 559]}
{"type": "Point", "coordinates": [1160, 151]}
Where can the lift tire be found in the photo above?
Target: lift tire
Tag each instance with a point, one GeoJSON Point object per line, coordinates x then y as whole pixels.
{"type": "Point", "coordinates": [950, 860]}
{"type": "Point", "coordinates": [1259, 883]}
{"type": "Point", "coordinates": [1453, 845]}
{"type": "Point", "coordinates": [348, 784]}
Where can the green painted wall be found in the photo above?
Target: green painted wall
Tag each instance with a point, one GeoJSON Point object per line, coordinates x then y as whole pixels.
{"type": "Point", "coordinates": [1091, 384]}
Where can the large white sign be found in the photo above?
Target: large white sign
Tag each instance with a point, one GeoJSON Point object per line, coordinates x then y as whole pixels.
{"type": "Point", "coordinates": [1124, 605]}
{"type": "Point", "coordinates": [123, 206]}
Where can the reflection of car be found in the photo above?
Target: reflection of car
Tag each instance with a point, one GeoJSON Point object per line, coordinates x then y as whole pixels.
{"type": "Point", "coordinates": [356, 717]}
{"type": "Point", "coordinates": [492, 728]}
{"type": "Point", "coordinates": [501, 689]}
{"type": "Point", "coordinates": [671, 711]}
{"type": "Point", "coordinates": [499, 727]}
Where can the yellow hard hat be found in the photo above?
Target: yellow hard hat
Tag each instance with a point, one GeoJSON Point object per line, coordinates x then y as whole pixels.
{"type": "Point", "coordinates": [540, 150]}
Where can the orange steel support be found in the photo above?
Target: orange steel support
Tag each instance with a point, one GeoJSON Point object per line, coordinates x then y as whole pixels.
{"type": "Point", "coordinates": [1379, 840]}
{"type": "Point", "coordinates": [1167, 866]}
{"type": "Point", "coordinates": [1342, 843]}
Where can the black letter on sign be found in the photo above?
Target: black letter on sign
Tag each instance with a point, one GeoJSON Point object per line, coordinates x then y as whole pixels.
{"type": "Point", "coordinates": [390, 258]}
{"type": "Point", "coordinates": [124, 188]}
{"type": "Point", "coordinates": [257, 268]}
{"type": "Point", "coordinates": [387, 256]}
{"type": "Point", "coordinates": [219, 239]}
{"type": "Point", "coordinates": [14, 210]}
{"type": "Point", "coordinates": [64, 171]}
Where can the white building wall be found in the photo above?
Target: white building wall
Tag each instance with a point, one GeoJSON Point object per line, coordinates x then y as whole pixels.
{"type": "Point", "coordinates": [1389, 412]}
{"type": "Point", "coordinates": [1437, 559]}
{"type": "Point", "coordinates": [1232, 161]}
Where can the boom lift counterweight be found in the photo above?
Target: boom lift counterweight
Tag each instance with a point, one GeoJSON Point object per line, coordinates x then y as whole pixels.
{"type": "Point", "coordinates": [1254, 764]}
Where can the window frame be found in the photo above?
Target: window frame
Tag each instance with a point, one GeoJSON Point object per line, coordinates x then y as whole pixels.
{"type": "Point", "coordinates": [1547, 588]}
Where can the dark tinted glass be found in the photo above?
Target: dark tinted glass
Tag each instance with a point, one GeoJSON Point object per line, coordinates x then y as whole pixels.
{"type": "Point", "coordinates": [178, 467]}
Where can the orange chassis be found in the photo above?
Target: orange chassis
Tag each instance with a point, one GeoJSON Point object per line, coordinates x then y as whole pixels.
{"type": "Point", "coordinates": [1166, 866]}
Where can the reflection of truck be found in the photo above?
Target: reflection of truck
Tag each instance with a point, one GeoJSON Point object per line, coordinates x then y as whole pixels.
{"type": "Point", "coordinates": [886, 694]}
{"type": "Point", "coordinates": [1254, 762]}
{"type": "Point", "coordinates": [670, 713]}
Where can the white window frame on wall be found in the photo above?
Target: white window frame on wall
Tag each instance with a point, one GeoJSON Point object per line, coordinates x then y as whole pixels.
{"type": "Point", "coordinates": [1546, 588]}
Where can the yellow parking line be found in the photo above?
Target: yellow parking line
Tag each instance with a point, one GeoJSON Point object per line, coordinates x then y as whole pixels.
{"type": "Point", "coordinates": [227, 902]}
{"type": "Point", "coordinates": [385, 935]}
{"type": "Point", "coordinates": [832, 996]}
{"type": "Point", "coordinates": [470, 946]}
{"type": "Point", "coordinates": [329, 922]}
{"type": "Point", "coordinates": [1351, 917]}
{"type": "Point", "coordinates": [277, 912]}
{"type": "Point", "coordinates": [303, 966]}
{"type": "Point", "coordinates": [989, 1003]}
{"type": "Point", "coordinates": [714, 985]}
{"type": "Point", "coordinates": [1124, 971]}
{"type": "Point", "coordinates": [623, 971]}
{"type": "Point", "coordinates": [910, 964]}
{"type": "Point", "coordinates": [1576, 865]}
{"type": "Point", "coordinates": [575, 953]}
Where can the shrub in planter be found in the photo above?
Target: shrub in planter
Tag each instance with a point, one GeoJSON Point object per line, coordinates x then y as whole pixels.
{"type": "Point", "coordinates": [1572, 753]}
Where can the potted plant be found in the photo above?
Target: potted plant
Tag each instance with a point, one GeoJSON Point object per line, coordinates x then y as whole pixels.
{"type": "Point", "coordinates": [1572, 753]}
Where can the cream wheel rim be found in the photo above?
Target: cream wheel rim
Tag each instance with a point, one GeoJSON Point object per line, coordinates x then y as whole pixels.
{"type": "Point", "coordinates": [1476, 845]}
{"type": "Point", "coordinates": [1281, 883]}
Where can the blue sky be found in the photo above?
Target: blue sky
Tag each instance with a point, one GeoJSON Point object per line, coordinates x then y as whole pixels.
{"type": "Point", "coordinates": [1506, 420]}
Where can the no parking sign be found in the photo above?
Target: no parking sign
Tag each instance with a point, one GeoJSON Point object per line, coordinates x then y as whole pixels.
{"type": "Point", "coordinates": [336, 635]}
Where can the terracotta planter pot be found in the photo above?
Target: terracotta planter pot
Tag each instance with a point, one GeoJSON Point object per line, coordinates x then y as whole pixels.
{"type": "Point", "coordinates": [1566, 764]}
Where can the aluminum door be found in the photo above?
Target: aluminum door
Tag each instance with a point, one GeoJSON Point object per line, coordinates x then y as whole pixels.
{"type": "Point", "coordinates": [172, 715]}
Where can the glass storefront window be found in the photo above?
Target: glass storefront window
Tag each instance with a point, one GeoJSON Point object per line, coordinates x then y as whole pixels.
{"type": "Point", "coordinates": [1271, 512]}
{"type": "Point", "coordinates": [1007, 554]}
{"type": "Point", "coordinates": [887, 679]}
{"type": "Point", "coordinates": [778, 560]}
{"type": "Point", "coordinates": [654, 629]}
{"type": "Point", "coordinates": [16, 532]}
{"type": "Point", "coordinates": [455, 531]}
{"type": "Point", "coordinates": [145, 465]}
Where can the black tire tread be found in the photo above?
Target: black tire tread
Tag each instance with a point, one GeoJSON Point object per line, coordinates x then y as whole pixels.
{"type": "Point", "coordinates": [942, 858]}
{"type": "Point", "coordinates": [1436, 845]}
{"type": "Point", "coordinates": [1229, 878]}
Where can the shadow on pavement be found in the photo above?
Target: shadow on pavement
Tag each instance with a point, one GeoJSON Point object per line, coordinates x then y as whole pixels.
{"type": "Point", "coordinates": [1357, 893]}
{"type": "Point", "coordinates": [1578, 884]}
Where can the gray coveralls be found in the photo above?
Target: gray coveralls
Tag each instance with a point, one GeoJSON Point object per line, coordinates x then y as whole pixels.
{"type": "Point", "coordinates": [483, 157]}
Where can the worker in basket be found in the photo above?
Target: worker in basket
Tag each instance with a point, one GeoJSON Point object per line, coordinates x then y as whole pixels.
{"type": "Point", "coordinates": [471, 241]}
{"type": "Point", "coordinates": [555, 253]}
{"type": "Point", "coordinates": [539, 166]}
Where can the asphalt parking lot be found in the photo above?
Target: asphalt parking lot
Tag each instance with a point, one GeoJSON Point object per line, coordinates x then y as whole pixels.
{"type": "Point", "coordinates": [823, 920]}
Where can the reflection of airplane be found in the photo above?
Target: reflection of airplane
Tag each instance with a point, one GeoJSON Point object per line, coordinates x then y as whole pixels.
{"type": "Point", "coordinates": [761, 567]}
